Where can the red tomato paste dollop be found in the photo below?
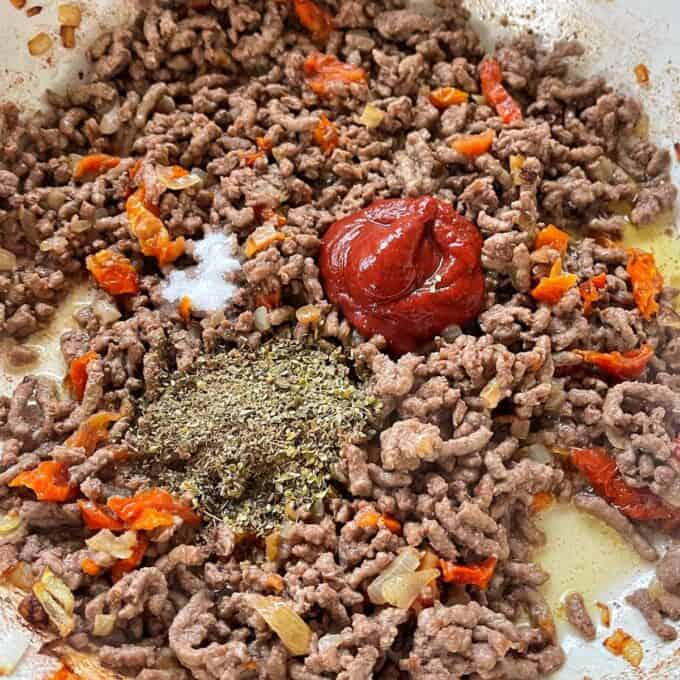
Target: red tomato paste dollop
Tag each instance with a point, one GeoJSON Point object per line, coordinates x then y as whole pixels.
{"type": "Point", "coordinates": [405, 268]}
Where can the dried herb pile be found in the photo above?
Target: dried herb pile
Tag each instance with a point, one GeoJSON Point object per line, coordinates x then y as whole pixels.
{"type": "Point", "coordinates": [252, 434]}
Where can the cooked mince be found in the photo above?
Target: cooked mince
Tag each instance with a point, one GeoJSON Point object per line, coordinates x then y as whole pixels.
{"type": "Point", "coordinates": [213, 493]}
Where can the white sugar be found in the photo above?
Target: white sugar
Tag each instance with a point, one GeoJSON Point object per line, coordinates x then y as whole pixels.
{"type": "Point", "coordinates": [205, 284]}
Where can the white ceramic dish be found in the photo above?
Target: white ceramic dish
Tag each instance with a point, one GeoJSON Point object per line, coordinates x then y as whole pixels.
{"type": "Point", "coordinates": [619, 34]}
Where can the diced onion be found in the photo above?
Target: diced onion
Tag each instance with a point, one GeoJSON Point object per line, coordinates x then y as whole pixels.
{"type": "Point", "coordinates": [516, 165]}
{"type": "Point", "coordinates": [272, 543]}
{"type": "Point", "coordinates": [406, 562]}
{"type": "Point", "coordinates": [329, 641]}
{"type": "Point", "coordinates": [479, 99]}
{"type": "Point", "coordinates": [262, 238]}
{"type": "Point", "coordinates": [110, 121]}
{"type": "Point", "coordinates": [372, 116]}
{"type": "Point", "coordinates": [57, 601]}
{"type": "Point", "coordinates": [20, 576]}
{"type": "Point", "coordinates": [295, 634]}
{"type": "Point", "coordinates": [69, 15]}
{"type": "Point", "coordinates": [539, 453]}
{"type": "Point", "coordinates": [402, 591]}
{"type": "Point", "coordinates": [103, 625]}
{"type": "Point", "coordinates": [53, 243]}
{"type": "Point", "coordinates": [170, 178]}
{"type": "Point", "coordinates": [118, 547]}
{"type": "Point", "coordinates": [492, 394]}
{"type": "Point", "coordinates": [13, 645]}
{"type": "Point", "coordinates": [9, 524]}
{"type": "Point", "coordinates": [616, 438]}
{"type": "Point", "coordinates": [105, 311]}
{"type": "Point", "coordinates": [84, 664]}
{"type": "Point", "coordinates": [39, 44]}
{"type": "Point", "coordinates": [261, 319]}
{"type": "Point", "coordinates": [8, 260]}
{"type": "Point", "coordinates": [556, 398]}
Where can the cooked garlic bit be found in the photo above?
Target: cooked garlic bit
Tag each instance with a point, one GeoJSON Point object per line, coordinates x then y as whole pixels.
{"type": "Point", "coordinates": [39, 44]}
{"type": "Point", "coordinates": [69, 15]}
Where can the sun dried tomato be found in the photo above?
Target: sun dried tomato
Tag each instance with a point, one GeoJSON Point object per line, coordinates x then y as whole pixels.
{"type": "Point", "coordinates": [93, 431]}
{"type": "Point", "coordinates": [64, 674]}
{"type": "Point", "coordinates": [550, 289]}
{"type": "Point", "coordinates": [122, 567]}
{"type": "Point", "coordinates": [478, 575]}
{"type": "Point", "coordinates": [626, 366]}
{"type": "Point", "coordinates": [270, 299]}
{"type": "Point", "coordinates": [600, 469]}
{"type": "Point", "coordinates": [49, 481]}
{"type": "Point", "coordinates": [325, 134]}
{"type": "Point", "coordinates": [129, 509]}
{"type": "Point", "coordinates": [315, 19]}
{"type": "Point", "coordinates": [372, 519]}
{"type": "Point", "coordinates": [150, 519]}
{"type": "Point", "coordinates": [113, 272]}
{"type": "Point", "coordinates": [88, 167]}
{"type": "Point", "coordinates": [251, 157]}
{"type": "Point", "coordinates": [491, 76]}
{"type": "Point", "coordinates": [474, 145]}
{"type": "Point", "coordinates": [552, 237]}
{"type": "Point", "coordinates": [646, 280]}
{"type": "Point", "coordinates": [150, 232]}
{"type": "Point", "coordinates": [264, 144]}
{"type": "Point", "coordinates": [443, 97]}
{"type": "Point", "coordinates": [322, 70]}
{"type": "Point", "coordinates": [98, 517]}
{"type": "Point", "coordinates": [77, 372]}
{"type": "Point", "coordinates": [590, 291]}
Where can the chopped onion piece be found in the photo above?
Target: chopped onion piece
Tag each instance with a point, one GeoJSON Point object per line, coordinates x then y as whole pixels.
{"type": "Point", "coordinates": [8, 260]}
{"type": "Point", "coordinates": [118, 547]}
{"type": "Point", "coordinates": [105, 311]}
{"type": "Point", "coordinates": [308, 315]}
{"type": "Point", "coordinates": [492, 394]}
{"type": "Point", "coordinates": [13, 645]}
{"type": "Point", "coordinates": [103, 625]}
{"type": "Point", "coordinates": [9, 524]}
{"type": "Point", "coordinates": [20, 576]}
{"type": "Point", "coordinates": [406, 562]}
{"type": "Point", "coordinates": [616, 438]}
{"type": "Point", "coordinates": [69, 15]}
{"type": "Point", "coordinates": [402, 591]}
{"type": "Point", "coordinates": [57, 601]}
{"type": "Point", "coordinates": [516, 165]}
{"type": "Point", "coordinates": [372, 116]}
{"type": "Point", "coordinates": [328, 642]}
{"type": "Point", "coordinates": [53, 243]}
{"type": "Point", "coordinates": [295, 634]}
{"type": "Point", "coordinates": [110, 121]}
{"type": "Point", "coordinates": [176, 178]}
{"type": "Point", "coordinates": [261, 319]}
{"type": "Point", "coordinates": [539, 453]}
{"type": "Point", "coordinates": [262, 238]}
{"type": "Point", "coordinates": [39, 44]}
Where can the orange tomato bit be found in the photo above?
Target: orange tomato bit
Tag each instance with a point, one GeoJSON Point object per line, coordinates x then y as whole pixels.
{"type": "Point", "coordinates": [88, 167]}
{"type": "Point", "coordinates": [552, 237]}
{"type": "Point", "coordinates": [321, 70]}
{"type": "Point", "coordinates": [90, 567]}
{"type": "Point", "coordinates": [64, 674]}
{"type": "Point", "coordinates": [49, 481]}
{"type": "Point", "coordinates": [251, 157]}
{"type": "Point", "coordinates": [443, 97]}
{"type": "Point", "coordinates": [371, 519]}
{"type": "Point", "coordinates": [185, 308]}
{"type": "Point", "coordinates": [77, 372]}
{"type": "Point", "coordinates": [128, 509]}
{"type": "Point", "coordinates": [150, 519]}
{"type": "Point", "coordinates": [590, 291]}
{"type": "Point", "coordinates": [623, 366]}
{"type": "Point", "coordinates": [325, 134]}
{"type": "Point", "coordinates": [646, 280]}
{"type": "Point", "coordinates": [93, 431]}
{"type": "Point", "coordinates": [315, 19]}
{"type": "Point", "coordinates": [491, 77]}
{"type": "Point", "coordinates": [474, 145]}
{"type": "Point", "coordinates": [98, 517]}
{"type": "Point", "coordinates": [478, 575]}
{"type": "Point", "coordinates": [264, 144]}
{"type": "Point", "coordinates": [550, 289]}
{"type": "Point", "coordinates": [113, 272]}
{"type": "Point", "coordinates": [154, 239]}
{"type": "Point", "coordinates": [269, 299]}
{"type": "Point", "coordinates": [541, 501]}
{"type": "Point", "coordinates": [122, 567]}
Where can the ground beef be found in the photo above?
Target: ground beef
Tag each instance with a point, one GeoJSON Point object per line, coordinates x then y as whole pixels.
{"type": "Point", "coordinates": [643, 602]}
{"type": "Point", "coordinates": [201, 85]}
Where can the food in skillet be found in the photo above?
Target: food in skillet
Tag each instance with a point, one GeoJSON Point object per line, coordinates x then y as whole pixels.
{"type": "Point", "coordinates": [362, 311]}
